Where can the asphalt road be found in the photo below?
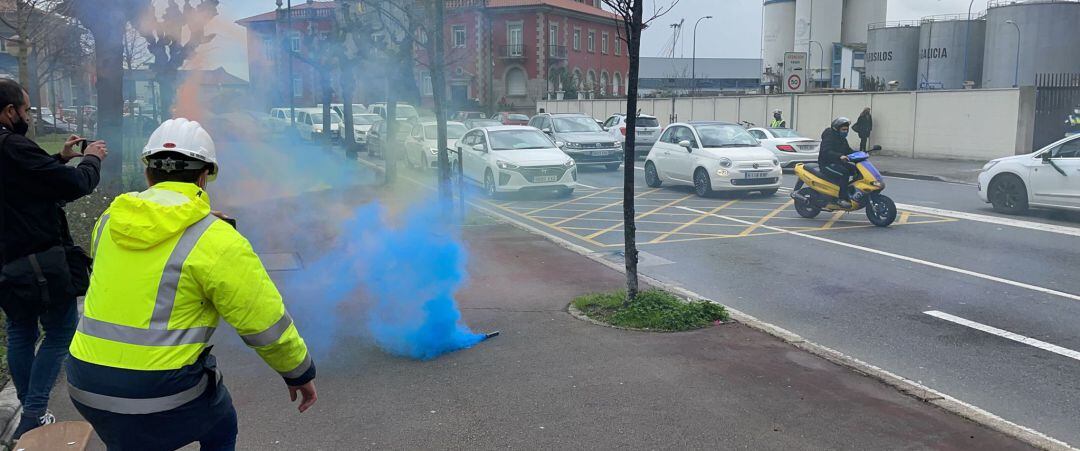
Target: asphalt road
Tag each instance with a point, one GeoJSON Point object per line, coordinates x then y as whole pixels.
{"type": "Point", "coordinates": [933, 298]}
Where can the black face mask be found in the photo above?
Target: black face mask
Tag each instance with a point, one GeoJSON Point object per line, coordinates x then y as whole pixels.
{"type": "Point", "coordinates": [20, 126]}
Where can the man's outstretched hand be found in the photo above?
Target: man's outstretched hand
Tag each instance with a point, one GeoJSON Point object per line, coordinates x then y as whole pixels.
{"type": "Point", "coordinates": [307, 393]}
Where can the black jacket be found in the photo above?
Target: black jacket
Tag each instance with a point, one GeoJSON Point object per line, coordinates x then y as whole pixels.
{"type": "Point", "coordinates": [864, 125]}
{"type": "Point", "coordinates": [833, 146]}
{"type": "Point", "coordinates": [33, 187]}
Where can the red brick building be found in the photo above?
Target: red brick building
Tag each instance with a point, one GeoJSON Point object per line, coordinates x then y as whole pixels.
{"type": "Point", "coordinates": [505, 50]}
{"type": "Point", "coordinates": [497, 52]}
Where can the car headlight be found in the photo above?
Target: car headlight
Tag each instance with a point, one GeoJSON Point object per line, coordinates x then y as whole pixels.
{"type": "Point", "coordinates": [317, 128]}
{"type": "Point", "coordinates": [776, 162]}
{"type": "Point", "coordinates": [990, 164]}
{"type": "Point", "coordinates": [722, 172]}
{"type": "Point", "coordinates": [506, 165]}
{"type": "Point", "coordinates": [725, 162]}
{"type": "Point", "coordinates": [569, 163]}
{"type": "Point", "coordinates": [434, 151]}
{"type": "Point", "coordinates": [573, 145]}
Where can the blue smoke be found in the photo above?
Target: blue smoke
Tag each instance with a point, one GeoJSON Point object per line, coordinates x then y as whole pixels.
{"type": "Point", "coordinates": [410, 272]}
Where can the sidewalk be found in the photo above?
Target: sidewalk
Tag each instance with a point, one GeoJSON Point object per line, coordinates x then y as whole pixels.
{"type": "Point", "coordinates": [955, 171]}
{"type": "Point", "coordinates": [553, 382]}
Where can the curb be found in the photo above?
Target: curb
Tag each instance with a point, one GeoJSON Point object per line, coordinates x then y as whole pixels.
{"type": "Point", "coordinates": [9, 413]}
{"type": "Point", "coordinates": [904, 385]}
{"type": "Point", "coordinates": [929, 178]}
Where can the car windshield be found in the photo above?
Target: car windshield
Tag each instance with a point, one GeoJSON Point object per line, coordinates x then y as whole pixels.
{"type": "Point", "coordinates": [785, 133]}
{"type": "Point", "coordinates": [453, 131]}
{"type": "Point", "coordinates": [364, 119]}
{"type": "Point", "coordinates": [575, 124]}
{"type": "Point", "coordinates": [485, 123]}
{"type": "Point", "coordinates": [317, 118]}
{"type": "Point", "coordinates": [720, 135]}
{"type": "Point", "coordinates": [519, 139]}
{"type": "Point", "coordinates": [518, 117]}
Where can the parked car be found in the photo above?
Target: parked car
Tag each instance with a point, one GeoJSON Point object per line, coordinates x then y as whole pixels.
{"type": "Point", "coordinates": [49, 124]}
{"type": "Point", "coordinates": [377, 136]}
{"type": "Point", "coordinates": [362, 124]}
{"type": "Point", "coordinates": [515, 158]}
{"type": "Point", "coordinates": [477, 123]}
{"type": "Point", "coordinates": [422, 147]}
{"type": "Point", "coordinates": [309, 122]}
{"type": "Point", "coordinates": [1046, 178]}
{"type": "Point", "coordinates": [647, 130]}
{"type": "Point", "coordinates": [404, 111]}
{"type": "Point", "coordinates": [712, 156]}
{"type": "Point", "coordinates": [787, 145]}
{"type": "Point", "coordinates": [280, 120]}
{"type": "Point", "coordinates": [462, 116]}
{"type": "Point", "coordinates": [507, 118]}
{"type": "Point", "coordinates": [339, 108]}
{"type": "Point", "coordinates": [580, 137]}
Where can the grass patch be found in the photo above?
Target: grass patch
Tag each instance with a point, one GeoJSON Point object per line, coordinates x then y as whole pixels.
{"type": "Point", "coordinates": [652, 310]}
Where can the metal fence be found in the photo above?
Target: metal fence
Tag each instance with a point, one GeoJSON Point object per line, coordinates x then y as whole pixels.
{"type": "Point", "coordinates": [1056, 97]}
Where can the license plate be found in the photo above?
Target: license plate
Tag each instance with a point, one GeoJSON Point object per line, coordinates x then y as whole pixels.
{"type": "Point", "coordinates": [601, 153]}
{"type": "Point", "coordinates": [756, 175]}
{"type": "Point", "coordinates": [645, 132]}
{"type": "Point", "coordinates": [545, 179]}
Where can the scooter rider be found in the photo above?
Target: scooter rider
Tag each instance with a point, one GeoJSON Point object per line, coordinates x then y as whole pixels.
{"type": "Point", "coordinates": [833, 160]}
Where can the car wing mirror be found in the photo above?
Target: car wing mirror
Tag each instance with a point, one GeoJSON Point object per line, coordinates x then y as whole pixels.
{"type": "Point", "coordinates": [479, 148]}
{"type": "Point", "coordinates": [546, 130]}
{"type": "Point", "coordinates": [686, 143]}
{"type": "Point", "coordinates": [1045, 157]}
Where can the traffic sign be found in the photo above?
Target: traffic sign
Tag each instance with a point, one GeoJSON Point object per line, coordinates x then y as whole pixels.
{"type": "Point", "coordinates": [795, 72]}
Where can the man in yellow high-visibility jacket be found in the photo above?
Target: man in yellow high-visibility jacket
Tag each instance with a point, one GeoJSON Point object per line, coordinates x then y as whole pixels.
{"type": "Point", "coordinates": [166, 269]}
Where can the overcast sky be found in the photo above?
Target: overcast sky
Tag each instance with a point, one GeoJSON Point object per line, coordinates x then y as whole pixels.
{"type": "Point", "coordinates": [734, 32]}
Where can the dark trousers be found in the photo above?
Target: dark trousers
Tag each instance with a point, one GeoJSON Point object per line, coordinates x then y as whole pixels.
{"type": "Point", "coordinates": [209, 420]}
{"type": "Point", "coordinates": [840, 174]}
{"type": "Point", "coordinates": [34, 373]}
{"type": "Point", "coordinates": [863, 140]}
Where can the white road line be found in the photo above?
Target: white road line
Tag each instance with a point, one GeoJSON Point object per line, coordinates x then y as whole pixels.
{"type": "Point", "coordinates": [899, 257]}
{"type": "Point", "coordinates": [586, 186]}
{"type": "Point", "coordinates": [1006, 334]}
{"type": "Point", "coordinates": [1064, 230]}
{"type": "Point", "coordinates": [639, 168]}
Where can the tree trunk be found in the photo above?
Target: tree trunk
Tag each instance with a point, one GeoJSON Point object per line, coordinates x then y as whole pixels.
{"type": "Point", "coordinates": [23, 59]}
{"type": "Point", "coordinates": [108, 46]}
{"type": "Point", "coordinates": [389, 146]}
{"type": "Point", "coordinates": [166, 81]}
{"type": "Point", "coordinates": [629, 225]}
{"type": "Point", "coordinates": [438, 92]}
{"type": "Point", "coordinates": [348, 135]}
{"type": "Point", "coordinates": [327, 97]}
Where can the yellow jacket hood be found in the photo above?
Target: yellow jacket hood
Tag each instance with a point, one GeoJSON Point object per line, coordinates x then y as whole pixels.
{"type": "Point", "coordinates": [145, 219]}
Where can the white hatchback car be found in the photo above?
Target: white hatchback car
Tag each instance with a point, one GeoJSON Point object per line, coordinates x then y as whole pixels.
{"type": "Point", "coordinates": [516, 158]}
{"type": "Point", "coordinates": [712, 156]}
{"type": "Point", "coordinates": [1048, 178]}
{"type": "Point", "coordinates": [309, 122]}
{"type": "Point", "coordinates": [787, 145]}
{"type": "Point", "coordinates": [422, 146]}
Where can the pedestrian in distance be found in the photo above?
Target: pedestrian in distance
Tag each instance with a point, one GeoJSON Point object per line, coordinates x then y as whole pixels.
{"type": "Point", "coordinates": [42, 269]}
{"type": "Point", "coordinates": [166, 269]}
{"type": "Point", "coordinates": [864, 125]}
{"type": "Point", "coordinates": [778, 120]}
{"type": "Point", "coordinates": [1072, 122]}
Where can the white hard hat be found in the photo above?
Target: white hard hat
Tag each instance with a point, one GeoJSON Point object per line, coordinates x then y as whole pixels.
{"type": "Point", "coordinates": [183, 137]}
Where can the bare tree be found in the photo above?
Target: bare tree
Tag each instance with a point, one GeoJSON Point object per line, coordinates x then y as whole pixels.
{"type": "Point", "coordinates": [631, 22]}
{"type": "Point", "coordinates": [165, 41]}
{"type": "Point", "coordinates": [136, 53]}
{"type": "Point", "coordinates": [107, 22]}
{"type": "Point", "coordinates": [31, 21]}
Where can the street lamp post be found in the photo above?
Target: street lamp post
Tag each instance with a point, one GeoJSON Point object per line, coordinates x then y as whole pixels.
{"type": "Point", "coordinates": [290, 86]}
{"type": "Point", "coordinates": [693, 59]}
{"type": "Point", "coordinates": [821, 58]}
{"type": "Point", "coordinates": [967, 39]}
{"type": "Point", "coordinates": [1016, 75]}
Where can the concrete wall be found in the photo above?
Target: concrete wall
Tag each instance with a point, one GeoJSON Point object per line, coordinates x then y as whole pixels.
{"type": "Point", "coordinates": [972, 125]}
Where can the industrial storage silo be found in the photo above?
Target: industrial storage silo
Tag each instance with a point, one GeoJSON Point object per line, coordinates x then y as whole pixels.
{"type": "Point", "coordinates": [1049, 38]}
{"type": "Point", "coordinates": [817, 28]}
{"type": "Point", "coordinates": [778, 33]}
{"type": "Point", "coordinates": [943, 43]}
{"type": "Point", "coordinates": [858, 15]}
{"type": "Point", "coordinates": [892, 53]}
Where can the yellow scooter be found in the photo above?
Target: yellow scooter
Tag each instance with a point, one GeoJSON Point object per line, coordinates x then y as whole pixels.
{"type": "Point", "coordinates": [814, 193]}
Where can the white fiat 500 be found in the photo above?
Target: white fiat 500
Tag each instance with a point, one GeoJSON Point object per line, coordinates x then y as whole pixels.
{"type": "Point", "coordinates": [515, 158]}
{"type": "Point", "coordinates": [712, 156]}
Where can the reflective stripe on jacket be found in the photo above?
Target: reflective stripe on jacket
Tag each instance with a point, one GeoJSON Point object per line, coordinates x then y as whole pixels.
{"type": "Point", "coordinates": [165, 271]}
{"type": "Point", "coordinates": [778, 123]}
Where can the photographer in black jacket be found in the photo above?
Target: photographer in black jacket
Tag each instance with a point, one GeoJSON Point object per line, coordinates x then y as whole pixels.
{"type": "Point", "coordinates": [42, 269]}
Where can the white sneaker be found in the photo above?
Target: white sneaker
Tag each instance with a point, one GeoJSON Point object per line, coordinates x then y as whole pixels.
{"type": "Point", "coordinates": [48, 418]}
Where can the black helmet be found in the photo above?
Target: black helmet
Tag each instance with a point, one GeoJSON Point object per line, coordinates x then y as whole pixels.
{"type": "Point", "coordinates": [840, 122]}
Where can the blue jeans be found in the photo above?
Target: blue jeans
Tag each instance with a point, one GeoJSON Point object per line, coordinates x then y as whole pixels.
{"type": "Point", "coordinates": [35, 375]}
